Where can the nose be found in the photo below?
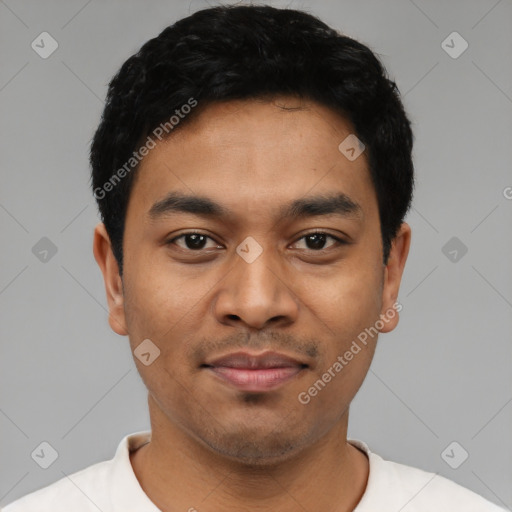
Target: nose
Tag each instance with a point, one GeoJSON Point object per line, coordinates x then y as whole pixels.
{"type": "Point", "coordinates": [256, 294]}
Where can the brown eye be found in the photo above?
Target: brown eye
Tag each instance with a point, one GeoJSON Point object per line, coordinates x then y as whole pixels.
{"type": "Point", "coordinates": [316, 241]}
{"type": "Point", "coordinates": [192, 241]}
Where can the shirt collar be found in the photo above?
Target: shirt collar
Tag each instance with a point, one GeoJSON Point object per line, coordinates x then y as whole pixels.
{"type": "Point", "coordinates": [127, 493]}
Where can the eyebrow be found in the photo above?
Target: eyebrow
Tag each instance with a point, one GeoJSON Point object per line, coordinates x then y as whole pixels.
{"type": "Point", "coordinates": [338, 204]}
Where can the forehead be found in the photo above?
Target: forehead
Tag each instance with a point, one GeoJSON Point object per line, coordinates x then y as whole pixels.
{"type": "Point", "coordinates": [255, 155]}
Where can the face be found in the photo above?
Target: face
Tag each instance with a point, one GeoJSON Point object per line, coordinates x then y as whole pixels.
{"type": "Point", "coordinates": [253, 293]}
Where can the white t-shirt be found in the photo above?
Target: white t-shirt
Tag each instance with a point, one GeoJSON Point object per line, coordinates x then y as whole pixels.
{"type": "Point", "coordinates": [111, 486]}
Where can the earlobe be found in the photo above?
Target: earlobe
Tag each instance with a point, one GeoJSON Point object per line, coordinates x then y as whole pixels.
{"type": "Point", "coordinates": [393, 276]}
{"type": "Point", "coordinates": [102, 249]}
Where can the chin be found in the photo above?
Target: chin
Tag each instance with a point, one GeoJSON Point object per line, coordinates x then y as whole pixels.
{"type": "Point", "coordinates": [253, 446]}
{"type": "Point", "coordinates": [253, 453]}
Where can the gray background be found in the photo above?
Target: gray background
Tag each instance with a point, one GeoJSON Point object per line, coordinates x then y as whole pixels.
{"type": "Point", "coordinates": [443, 375]}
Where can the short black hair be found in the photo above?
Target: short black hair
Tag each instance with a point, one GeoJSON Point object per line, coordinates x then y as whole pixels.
{"type": "Point", "coordinates": [237, 52]}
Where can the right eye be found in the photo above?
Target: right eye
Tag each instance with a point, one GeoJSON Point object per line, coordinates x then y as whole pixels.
{"type": "Point", "coordinates": [193, 241]}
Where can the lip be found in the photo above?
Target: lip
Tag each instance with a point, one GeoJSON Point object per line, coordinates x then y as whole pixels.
{"type": "Point", "coordinates": [255, 372]}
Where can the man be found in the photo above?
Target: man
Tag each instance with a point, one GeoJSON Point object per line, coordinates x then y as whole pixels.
{"type": "Point", "coordinates": [253, 170]}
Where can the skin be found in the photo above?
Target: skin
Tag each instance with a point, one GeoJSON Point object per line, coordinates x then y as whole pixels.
{"type": "Point", "coordinates": [215, 447]}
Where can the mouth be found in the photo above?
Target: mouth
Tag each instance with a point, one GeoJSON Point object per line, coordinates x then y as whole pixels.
{"type": "Point", "coordinates": [255, 372]}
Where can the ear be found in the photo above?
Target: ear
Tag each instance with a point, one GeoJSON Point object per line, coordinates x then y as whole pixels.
{"type": "Point", "coordinates": [392, 277]}
{"type": "Point", "coordinates": [102, 249]}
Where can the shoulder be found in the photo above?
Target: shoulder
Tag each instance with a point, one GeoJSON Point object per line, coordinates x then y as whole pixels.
{"type": "Point", "coordinates": [393, 486]}
{"type": "Point", "coordinates": [83, 491]}
{"type": "Point", "coordinates": [102, 486]}
{"type": "Point", "coordinates": [425, 490]}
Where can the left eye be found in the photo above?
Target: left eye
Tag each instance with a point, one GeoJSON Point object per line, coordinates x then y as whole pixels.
{"type": "Point", "coordinates": [314, 241]}
{"type": "Point", "coordinates": [317, 240]}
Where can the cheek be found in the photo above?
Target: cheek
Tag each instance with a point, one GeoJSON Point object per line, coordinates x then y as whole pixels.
{"type": "Point", "coordinates": [345, 312]}
{"type": "Point", "coordinates": [155, 296]}
{"type": "Point", "coordinates": [167, 309]}
{"type": "Point", "coordinates": [346, 303]}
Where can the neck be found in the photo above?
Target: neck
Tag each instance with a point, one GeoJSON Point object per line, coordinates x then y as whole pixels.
{"type": "Point", "coordinates": [178, 472]}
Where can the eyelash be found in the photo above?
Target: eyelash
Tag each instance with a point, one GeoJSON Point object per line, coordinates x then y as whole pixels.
{"type": "Point", "coordinates": [339, 241]}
